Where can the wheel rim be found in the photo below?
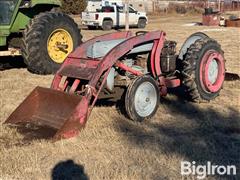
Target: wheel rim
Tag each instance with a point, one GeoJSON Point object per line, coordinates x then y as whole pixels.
{"type": "Point", "coordinates": [145, 99]}
{"type": "Point", "coordinates": [59, 45]}
{"type": "Point", "coordinates": [212, 71]}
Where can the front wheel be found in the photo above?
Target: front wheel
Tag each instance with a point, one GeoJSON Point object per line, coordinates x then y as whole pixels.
{"type": "Point", "coordinates": [142, 98]}
{"type": "Point", "coordinates": [203, 70]}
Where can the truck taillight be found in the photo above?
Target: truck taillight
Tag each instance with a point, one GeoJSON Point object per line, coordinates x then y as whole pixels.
{"type": "Point", "coordinates": [96, 16]}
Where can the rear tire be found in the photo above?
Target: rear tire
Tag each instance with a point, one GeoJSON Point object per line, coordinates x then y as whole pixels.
{"type": "Point", "coordinates": [142, 98]}
{"type": "Point", "coordinates": [107, 25]}
{"type": "Point", "coordinates": [203, 70]}
{"type": "Point", "coordinates": [36, 41]}
{"type": "Point", "coordinates": [142, 23]}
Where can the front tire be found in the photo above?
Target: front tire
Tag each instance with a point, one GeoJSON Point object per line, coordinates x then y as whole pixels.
{"type": "Point", "coordinates": [142, 98]}
{"type": "Point", "coordinates": [47, 41]}
{"type": "Point", "coordinates": [203, 70]}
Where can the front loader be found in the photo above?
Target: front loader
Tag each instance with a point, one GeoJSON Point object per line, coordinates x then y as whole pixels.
{"type": "Point", "coordinates": [144, 66]}
{"type": "Point", "coordinates": [38, 31]}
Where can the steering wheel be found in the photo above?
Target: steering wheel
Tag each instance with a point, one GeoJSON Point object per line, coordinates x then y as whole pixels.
{"type": "Point", "coordinates": [141, 32]}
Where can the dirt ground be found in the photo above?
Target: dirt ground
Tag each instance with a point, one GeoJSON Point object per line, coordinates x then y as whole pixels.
{"type": "Point", "coordinates": [113, 147]}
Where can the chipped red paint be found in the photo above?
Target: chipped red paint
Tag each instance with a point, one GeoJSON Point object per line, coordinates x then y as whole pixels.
{"type": "Point", "coordinates": [173, 82]}
{"type": "Point", "coordinates": [155, 44]}
{"type": "Point", "coordinates": [126, 68]}
{"type": "Point", "coordinates": [211, 19]}
{"type": "Point", "coordinates": [74, 86]}
{"type": "Point", "coordinates": [156, 60]}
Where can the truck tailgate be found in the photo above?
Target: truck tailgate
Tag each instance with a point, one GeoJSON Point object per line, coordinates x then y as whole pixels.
{"type": "Point", "coordinates": [88, 16]}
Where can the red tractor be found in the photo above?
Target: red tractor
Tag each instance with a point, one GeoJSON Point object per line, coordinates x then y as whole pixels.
{"type": "Point", "coordinates": [144, 65]}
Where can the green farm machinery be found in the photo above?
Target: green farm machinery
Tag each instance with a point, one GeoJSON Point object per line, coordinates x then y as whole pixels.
{"type": "Point", "coordinates": [39, 32]}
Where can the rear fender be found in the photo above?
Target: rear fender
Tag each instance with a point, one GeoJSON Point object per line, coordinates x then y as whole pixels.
{"type": "Point", "coordinates": [190, 40]}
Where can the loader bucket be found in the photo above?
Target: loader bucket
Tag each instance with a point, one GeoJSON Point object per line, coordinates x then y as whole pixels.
{"type": "Point", "coordinates": [49, 109]}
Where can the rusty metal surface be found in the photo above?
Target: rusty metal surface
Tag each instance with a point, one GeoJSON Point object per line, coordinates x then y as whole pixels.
{"type": "Point", "coordinates": [76, 122]}
{"type": "Point", "coordinates": [211, 20]}
{"type": "Point", "coordinates": [233, 23]}
{"type": "Point", "coordinates": [80, 73]}
{"type": "Point", "coordinates": [45, 107]}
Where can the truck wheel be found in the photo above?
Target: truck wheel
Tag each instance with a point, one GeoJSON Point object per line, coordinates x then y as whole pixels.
{"type": "Point", "coordinates": [203, 70]}
{"type": "Point", "coordinates": [107, 25]}
{"type": "Point", "coordinates": [142, 98]}
{"type": "Point", "coordinates": [47, 41]}
{"type": "Point", "coordinates": [142, 23]}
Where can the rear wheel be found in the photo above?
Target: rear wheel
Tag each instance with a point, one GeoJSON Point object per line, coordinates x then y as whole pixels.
{"type": "Point", "coordinates": [142, 23]}
{"type": "Point", "coordinates": [107, 25]}
{"type": "Point", "coordinates": [48, 40]}
{"type": "Point", "coordinates": [203, 70]}
{"type": "Point", "coordinates": [142, 98]}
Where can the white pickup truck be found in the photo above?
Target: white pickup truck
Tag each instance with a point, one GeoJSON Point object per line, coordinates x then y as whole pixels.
{"type": "Point", "coordinates": [113, 16]}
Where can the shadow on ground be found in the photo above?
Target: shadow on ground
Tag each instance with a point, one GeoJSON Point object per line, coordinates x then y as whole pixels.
{"type": "Point", "coordinates": [69, 170]}
{"type": "Point", "coordinates": [232, 77]}
{"type": "Point", "coordinates": [11, 63]}
{"type": "Point", "coordinates": [213, 136]}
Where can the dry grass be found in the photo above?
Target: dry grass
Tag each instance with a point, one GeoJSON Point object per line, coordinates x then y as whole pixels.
{"type": "Point", "coordinates": [111, 146]}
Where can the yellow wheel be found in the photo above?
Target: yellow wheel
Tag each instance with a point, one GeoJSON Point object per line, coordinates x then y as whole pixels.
{"type": "Point", "coordinates": [59, 45]}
